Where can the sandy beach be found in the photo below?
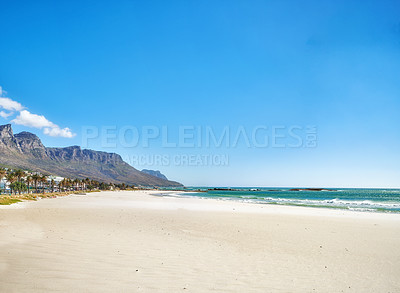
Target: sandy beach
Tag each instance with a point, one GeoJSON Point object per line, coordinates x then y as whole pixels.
{"type": "Point", "coordinates": [136, 241]}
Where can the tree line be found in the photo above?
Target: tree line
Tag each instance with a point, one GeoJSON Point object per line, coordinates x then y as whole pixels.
{"type": "Point", "coordinates": [20, 181]}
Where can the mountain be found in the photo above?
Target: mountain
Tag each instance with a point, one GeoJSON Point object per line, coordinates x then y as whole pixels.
{"type": "Point", "coordinates": [157, 173]}
{"type": "Point", "coordinates": [25, 150]}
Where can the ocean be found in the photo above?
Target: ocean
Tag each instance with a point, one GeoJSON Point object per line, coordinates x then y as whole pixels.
{"type": "Point", "coordinates": [373, 200]}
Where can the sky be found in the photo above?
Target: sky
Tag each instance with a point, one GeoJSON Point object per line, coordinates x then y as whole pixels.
{"type": "Point", "coordinates": [308, 91]}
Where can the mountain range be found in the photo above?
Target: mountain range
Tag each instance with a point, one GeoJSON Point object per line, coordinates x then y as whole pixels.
{"type": "Point", "coordinates": [25, 150]}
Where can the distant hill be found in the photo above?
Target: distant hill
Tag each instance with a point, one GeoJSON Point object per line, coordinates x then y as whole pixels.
{"type": "Point", "coordinates": [157, 173]}
{"type": "Point", "coordinates": [26, 151]}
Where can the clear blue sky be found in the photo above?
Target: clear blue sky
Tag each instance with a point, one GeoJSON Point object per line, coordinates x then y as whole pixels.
{"type": "Point", "coordinates": [332, 64]}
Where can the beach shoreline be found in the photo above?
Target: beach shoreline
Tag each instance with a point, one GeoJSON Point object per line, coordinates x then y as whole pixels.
{"type": "Point", "coordinates": [267, 207]}
{"type": "Point", "coordinates": [178, 200]}
{"type": "Point", "coordinates": [136, 241]}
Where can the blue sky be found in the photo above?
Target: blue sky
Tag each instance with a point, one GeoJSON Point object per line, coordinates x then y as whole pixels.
{"type": "Point", "coordinates": [334, 65]}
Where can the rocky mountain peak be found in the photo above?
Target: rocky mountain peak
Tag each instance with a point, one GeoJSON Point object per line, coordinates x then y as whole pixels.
{"type": "Point", "coordinates": [28, 141]}
{"type": "Point", "coordinates": [6, 131]}
{"type": "Point", "coordinates": [26, 135]}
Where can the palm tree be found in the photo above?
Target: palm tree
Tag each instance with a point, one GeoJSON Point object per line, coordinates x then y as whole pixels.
{"type": "Point", "coordinates": [60, 184]}
{"type": "Point", "coordinates": [11, 178]}
{"type": "Point", "coordinates": [68, 184]}
{"type": "Point", "coordinates": [63, 184]}
{"type": "Point", "coordinates": [29, 181]}
{"type": "Point", "coordinates": [52, 185]}
{"type": "Point", "coordinates": [3, 173]}
{"type": "Point", "coordinates": [43, 181]}
{"type": "Point", "coordinates": [18, 187]}
{"type": "Point", "coordinates": [83, 184]}
{"type": "Point", "coordinates": [87, 182]}
{"type": "Point", "coordinates": [19, 174]}
{"type": "Point", "coordinates": [76, 183]}
{"type": "Point", "coordinates": [36, 179]}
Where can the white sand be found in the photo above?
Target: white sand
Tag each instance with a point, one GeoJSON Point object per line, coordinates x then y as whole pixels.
{"type": "Point", "coordinates": [134, 242]}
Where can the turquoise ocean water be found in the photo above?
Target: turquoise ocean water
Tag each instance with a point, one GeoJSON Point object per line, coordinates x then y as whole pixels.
{"type": "Point", "coordinates": [376, 200]}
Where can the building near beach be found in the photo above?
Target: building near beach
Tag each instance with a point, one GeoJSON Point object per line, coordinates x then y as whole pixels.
{"type": "Point", "coordinates": [57, 179]}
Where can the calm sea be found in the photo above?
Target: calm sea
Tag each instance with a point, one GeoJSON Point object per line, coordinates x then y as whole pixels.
{"type": "Point", "coordinates": [377, 200]}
